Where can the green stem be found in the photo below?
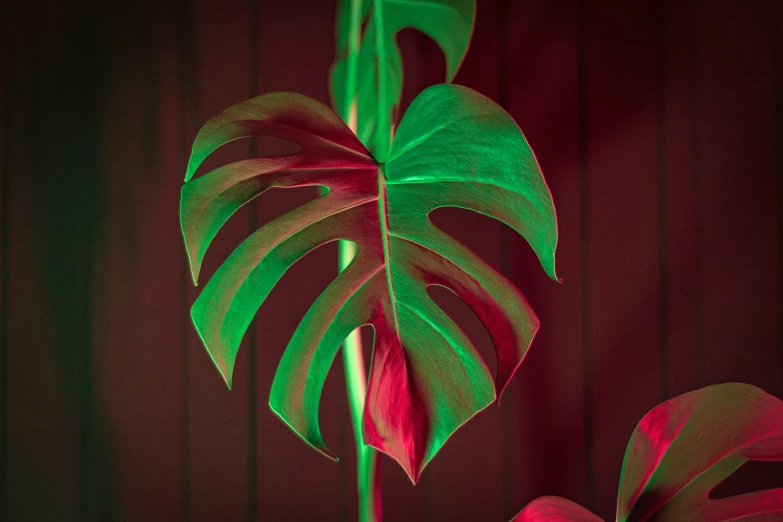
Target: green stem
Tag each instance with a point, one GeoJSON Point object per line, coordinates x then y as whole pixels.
{"type": "Point", "coordinates": [348, 111]}
{"type": "Point", "coordinates": [383, 127]}
{"type": "Point", "coordinates": [367, 470]}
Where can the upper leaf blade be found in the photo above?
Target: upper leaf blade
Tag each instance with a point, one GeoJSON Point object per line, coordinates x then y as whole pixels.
{"type": "Point", "coordinates": [457, 148]}
{"type": "Point", "coordinates": [453, 136]}
{"type": "Point", "coordinates": [685, 447]}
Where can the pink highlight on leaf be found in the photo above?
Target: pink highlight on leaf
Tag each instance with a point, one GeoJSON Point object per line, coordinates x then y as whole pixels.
{"type": "Point", "coordinates": [659, 428]}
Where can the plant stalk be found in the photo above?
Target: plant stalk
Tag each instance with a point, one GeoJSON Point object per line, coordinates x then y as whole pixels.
{"type": "Point", "coordinates": [367, 469]}
{"type": "Point", "coordinates": [382, 136]}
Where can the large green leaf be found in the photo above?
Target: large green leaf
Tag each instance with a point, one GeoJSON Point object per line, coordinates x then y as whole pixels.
{"type": "Point", "coordinates": [454, 148]}
{"type": "Point", "coordinates": [448, 22]}
{"type": "Point", "coordinates": [682, 449]}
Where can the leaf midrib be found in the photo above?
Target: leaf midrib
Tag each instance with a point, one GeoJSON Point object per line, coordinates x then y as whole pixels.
{"type": "Point", "coordinates": [385, 232]}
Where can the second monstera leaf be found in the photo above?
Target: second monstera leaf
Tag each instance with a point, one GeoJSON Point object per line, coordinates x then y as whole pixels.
{"type": "Point", "coordinates": [454, 148]}
{"type": "Point", "coordinates": [680, 451]}
{"type": "Point", "coordinates": [448, 22]}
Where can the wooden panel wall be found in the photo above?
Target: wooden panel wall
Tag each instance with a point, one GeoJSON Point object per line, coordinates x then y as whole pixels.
{"type": "Point", "coordinates": [658, 125]}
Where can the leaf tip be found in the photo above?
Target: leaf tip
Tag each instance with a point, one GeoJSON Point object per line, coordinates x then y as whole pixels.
{"type": "Point", "coordinates": [194, 271]}
{"type": "Point", "coordinates": [194, 258]}
{"type": "Point", "coordinates": [550, 266]}
{"type": "Point", "coordinates": [311, 438]}
{"type": "Point", "coordinates": [328, 454]}
{"type": "Point", "coordinates": [226, 373]}
{"type": "Point", "coordinates": [224, 367]}
{"type": "Point", "coordinates": [413, 471]}
{"type": "Point", "coordinates": [191, 169]}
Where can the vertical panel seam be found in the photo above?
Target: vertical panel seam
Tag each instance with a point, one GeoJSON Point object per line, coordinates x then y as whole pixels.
{"type": "Point", "coordinates": [507, 409]}
{"type": "Point", "coordinates": [4, 268]}
{"type": "Point", "coordinates": [697, 197]}
{"type": "Point", "coordinates": [252, 348]}
{"type": "Point", "coordinates": [188, 111]}
{"type": "Point", "coordinates": [663, 261]}
{"type": "Point", "coordinates": [584, 247]}
{"type": "Point", "coordinates": [777, 87]}
{"type": "Point", "coordinates": [88, 505]}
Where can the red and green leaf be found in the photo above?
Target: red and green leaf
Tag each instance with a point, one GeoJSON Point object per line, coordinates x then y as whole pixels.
{"type": "Point", "coordinates": [685, 447]}
{"type": "Point", "coordinates": [448, 22]}
{"type": "Point", "coordinates": [455, 148]}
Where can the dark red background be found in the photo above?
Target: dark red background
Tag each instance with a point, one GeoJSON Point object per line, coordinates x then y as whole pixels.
{"type": "Point", "coordinates": [658, 127]}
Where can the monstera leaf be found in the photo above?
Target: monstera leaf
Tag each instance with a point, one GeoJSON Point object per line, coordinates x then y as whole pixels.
{"type": "Point", "coordinates": [682, 450]}
{"type": "Point", "coordinates": [448, 22]}
{"type": "Point", "coordinates": [455, 148]}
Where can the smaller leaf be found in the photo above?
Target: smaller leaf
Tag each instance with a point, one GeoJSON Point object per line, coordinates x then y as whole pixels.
{"type": "Point", "coordinates": [681, 450]}
{"type": "Point", "coordinates": [685, 447]}
{"type": "Point", "coordinates": [555, 509]}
